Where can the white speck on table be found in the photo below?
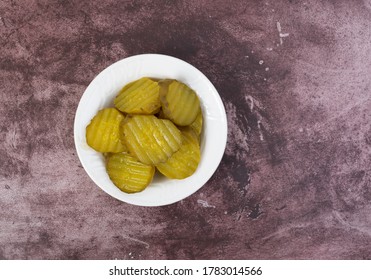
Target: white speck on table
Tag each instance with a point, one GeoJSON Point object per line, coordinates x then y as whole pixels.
{"type": "Point", "coordinates": [281, 35]}
{"type": "Point", "coordinates": [204, 203]}
{"type": "Point", "coordinates": [261, 136]}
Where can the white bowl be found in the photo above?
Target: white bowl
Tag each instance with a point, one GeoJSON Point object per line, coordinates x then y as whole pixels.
{"type": "Point", "coordinates": [101, 92]}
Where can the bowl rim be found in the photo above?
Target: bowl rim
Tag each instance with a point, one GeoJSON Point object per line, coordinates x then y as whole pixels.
{"type": "Point", "coordinates": [222, 135]}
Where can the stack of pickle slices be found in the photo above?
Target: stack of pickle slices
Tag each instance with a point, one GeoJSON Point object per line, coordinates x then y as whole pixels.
{"type": "Point", "coordinates": [156, 125]}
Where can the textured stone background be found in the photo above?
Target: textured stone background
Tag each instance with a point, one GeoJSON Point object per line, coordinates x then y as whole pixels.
{"type": "Point", "coordinates": [295, 179]}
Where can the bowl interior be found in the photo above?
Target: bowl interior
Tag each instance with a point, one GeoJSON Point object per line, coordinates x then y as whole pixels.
{"type": "Point", "coordinates": [100, 94]}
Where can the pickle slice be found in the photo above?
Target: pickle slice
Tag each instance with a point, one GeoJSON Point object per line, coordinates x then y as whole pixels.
{"type": "Point", "coordinates": [149, 139]}
{"type": "Point", "coordinates": [197, 124]}
{"type": "Point", "coordinates": [127, 173]}
{"type": "Point", "coordinates": [180, 103]}
{"type": "Point", "coordinates": [103, 131]}
{"type": "Point", "coordinates": [184, 162]}
{"type": "Point", "coordinates": [139, 97]}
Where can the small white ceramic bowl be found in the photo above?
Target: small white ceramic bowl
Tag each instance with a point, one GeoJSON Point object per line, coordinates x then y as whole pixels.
{"type": "Point", "coordinates": [100, 94]}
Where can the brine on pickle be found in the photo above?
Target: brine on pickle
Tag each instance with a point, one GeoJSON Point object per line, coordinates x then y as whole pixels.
{"type": "Point", "coordinates": [156, 125]}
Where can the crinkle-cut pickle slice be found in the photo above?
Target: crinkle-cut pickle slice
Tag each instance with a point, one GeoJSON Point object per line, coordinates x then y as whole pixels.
{"type": "Point", "coordinates": [127, 173]}
{"type": "Point", "coordinates": [184, 162]}
{"type": "Point", "coordinates": [149, 139]}
{"type": "Point", "coordinates": [103, 131]}
{"type": "Point", "coordinates": [180, 103]}
{"type": "Point", "coordinates": [197, 124]}
{"type": "Point", "coordinates": [139, 97]}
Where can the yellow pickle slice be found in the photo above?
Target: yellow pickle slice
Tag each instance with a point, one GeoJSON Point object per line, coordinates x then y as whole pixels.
{"type": "Point", "coordinates": [103, 131]}
{"type": "Point", "coordinates": [139, 97]}
{"type": "Point", "coordinates": [184, 162]}
{"type": "Point", "coordinates": [127, 173]}
{"type": "Point", "coordinates": [149, 139]}
{"type": "Point", "coordinates": [179, 102]}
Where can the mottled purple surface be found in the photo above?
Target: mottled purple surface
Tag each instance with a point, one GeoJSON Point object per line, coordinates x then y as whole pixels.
{"type": "Point", "coordinates": [295, 180]}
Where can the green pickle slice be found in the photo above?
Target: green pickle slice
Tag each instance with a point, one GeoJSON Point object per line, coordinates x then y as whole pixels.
{"type": "Point", "coordinates": [127, 173]}
{"type": "Point", "coordinates": [139, 97]}
{"type": "Point", "coordinates": [197, 125]}
{"type": "Point", "coordinates": [184, 162]}
{"type": "Point", "coordinates": [179, 102]}
{"type": "Point", "coordinates": [149, 139]}
{"type": "Point", "coordinates": [103, 131]}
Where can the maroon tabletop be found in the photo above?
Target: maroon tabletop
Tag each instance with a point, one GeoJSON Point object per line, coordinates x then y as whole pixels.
{"type": "Point", "coordinates": [294, 77]}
